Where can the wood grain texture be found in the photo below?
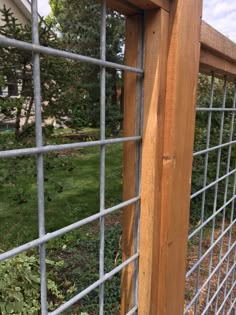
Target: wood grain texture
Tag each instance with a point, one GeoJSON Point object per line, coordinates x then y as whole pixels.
{"type": "Point", "coordinates": [151, 4]}
{"type": "Point", "coordinates": [156, 43]}
{"type": "Point", "coordinates": [218, 53]}
{"type": "Point", "coordinates": [210, 62]}
{"type": "Point", "coordinates": [133, 43]}
{"type": "Point", "coordinates": [124, 7]}
{"type": "Point", "coordinates": [216, 42]}
{"type": "Point", "coordinates": [181, 91]}
{"type": "Point", "coordinates": [132, 7]}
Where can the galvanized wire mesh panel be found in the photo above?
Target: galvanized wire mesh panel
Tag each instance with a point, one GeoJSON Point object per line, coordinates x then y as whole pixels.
{"type": "Point", "coordinates": [40, 150]}
{"type": "Point", "coordinates": [210, 278]}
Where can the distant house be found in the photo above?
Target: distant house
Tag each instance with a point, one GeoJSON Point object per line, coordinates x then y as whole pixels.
{"type": "Point", "coordinates": [21, 9]}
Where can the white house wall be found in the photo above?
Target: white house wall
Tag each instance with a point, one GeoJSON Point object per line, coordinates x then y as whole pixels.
{"type": "Point", "coordinates": [19, 8]}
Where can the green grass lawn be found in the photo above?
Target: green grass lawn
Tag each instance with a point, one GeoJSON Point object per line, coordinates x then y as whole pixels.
{"type": "Point", "coordinates": [71, 190]}
{"type": "Point", "coordinates": [71, 193]}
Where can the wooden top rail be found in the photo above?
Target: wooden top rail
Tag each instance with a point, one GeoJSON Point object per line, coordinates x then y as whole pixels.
{"type": "Point", "coordinates": [218, 53]}
{"type": "Point", "coordinates": [123, 7]}
{"type": "Point", "coordinates": [215, 41]}
{"type": "Point", "coordinates": [132, 7]}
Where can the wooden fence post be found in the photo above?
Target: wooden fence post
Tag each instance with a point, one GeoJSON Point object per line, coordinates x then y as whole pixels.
{"type": "Point", "coordinates": [133, 56]}
{"type": "Point", "coordinates": [156, 45]}
{"type": "Point", "coordinates": [172, 46]}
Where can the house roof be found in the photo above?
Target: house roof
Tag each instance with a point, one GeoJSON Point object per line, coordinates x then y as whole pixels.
{"type": "Point", "coordinates": [25, 7]}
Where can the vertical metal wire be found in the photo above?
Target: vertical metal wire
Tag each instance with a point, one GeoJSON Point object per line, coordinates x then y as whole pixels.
{"type": "Point", "coordinates": [39, 143]}
{"type": "Point", "coordinates": [216, 186]}
{"type": "Point", "coordinates": [226, 191]}
{"type": "Point", "coordinates": [230, 234]}
{"type": "Point", "coordinates": [232, 300]}
{"type": "Point", "coordinates": [204, 185]}
{"type": "Point", "coordinates": [102, 151]}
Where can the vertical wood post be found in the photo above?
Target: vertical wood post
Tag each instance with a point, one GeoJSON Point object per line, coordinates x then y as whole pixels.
{"type": "Point", "coordinates": [172, 45]}
{"type": "Point", "coordinates": [156, 47]}
{"type": "Point", "coordinates": [133, 51]}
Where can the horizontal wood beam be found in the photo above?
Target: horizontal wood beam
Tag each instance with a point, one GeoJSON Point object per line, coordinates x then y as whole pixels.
{"type": "Point", "coordinates": [124, 7]}
{"type": "Point", "coordinates": [218, 53]}
{"type": "Point", "coordinates": [152, 4]}
{"type": "Point", "coordinates": [217, 42]}
{"type": "Point", "coordinates": [210, 62]}
{"type": "Point", "coordinates": [133, 7]}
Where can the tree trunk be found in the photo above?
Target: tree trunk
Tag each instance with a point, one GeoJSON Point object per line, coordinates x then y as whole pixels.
{"type": "Point", "coordinates": [28, 112]}
{"type": "Point", "coordinates": [114, 88]}
{"type": "Point", "coordinates": [17, 130]}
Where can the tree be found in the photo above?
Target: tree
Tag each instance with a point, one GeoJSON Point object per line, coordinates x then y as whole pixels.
{"type": "Point", "coordinates": [16, 76]}
{"type": "Point", "coordinates": [70, 89]}
{"type": "Point", "coordinates": [78, 22]}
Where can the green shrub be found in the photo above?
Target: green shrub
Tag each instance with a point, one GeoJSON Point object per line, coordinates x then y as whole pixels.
{"type": "Point", "coordinates": [20, 286]}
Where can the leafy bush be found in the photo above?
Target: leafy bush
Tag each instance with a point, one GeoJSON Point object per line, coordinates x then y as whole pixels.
{"type": "Point", "coordinates": [20, 286]}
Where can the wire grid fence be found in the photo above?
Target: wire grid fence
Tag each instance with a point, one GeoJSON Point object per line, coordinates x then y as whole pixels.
{"type": "Point", "coordinates": [40, 150]}
{"type": "Point", "coordinates": [210, 278]}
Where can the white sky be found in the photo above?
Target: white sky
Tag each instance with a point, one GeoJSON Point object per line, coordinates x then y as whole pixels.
{"type": "Point", "coordinates": [221, 14]}
{"type": "Point", "coordinates": [44, 7]}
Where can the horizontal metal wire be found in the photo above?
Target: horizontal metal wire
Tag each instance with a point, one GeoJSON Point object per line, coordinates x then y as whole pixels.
{"type": "Point", "coordinates": [226, 298]}
{"type": "Point", "coordinates": [210, 276]}
{"type": "Point", "coordinates": [96, 284]}
{"type": "Point", "coordinates": [211, 217]}
{"type": "Point", "coordinates": [133, 310]}
{"type": "Point", "coordinates": [215, 109]}
{"type": "Point", "coordinates": [63, 147]}
{"type": "Point", "coordinates": [214, 148]}
{"type": "Point", "coordinates": [62, 231]}
{"type": "Point", "coordinates": [6, 42]}
{"type": "Point", "coordinates": [209, 249]}
{"type": "Point", "coordinates": [212, 184]}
